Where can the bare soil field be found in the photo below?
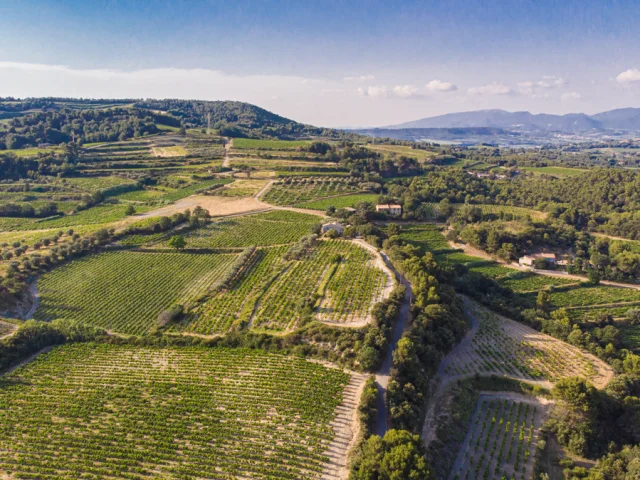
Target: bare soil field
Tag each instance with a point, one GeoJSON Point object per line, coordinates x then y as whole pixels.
{"type": "Point", "coordinates": [497, 345]}
{"type": "Point", "coordinates": [217, 206]}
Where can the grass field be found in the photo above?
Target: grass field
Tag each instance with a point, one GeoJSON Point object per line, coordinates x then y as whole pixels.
{"type": "Point", "coordinates": [271, 228]}
{"type": "Point", "coordinates": [106, 411]}
{"type": "Point", "coordinates": [251, 144]}
{"type": "Point", "coordinates": [426, 237]}
{"type": "Point", "coordinates": [125, 291]}
{"type": "Point", "coordinates": [340, 202]}
{"type": "Point", "coordinates": [401, 150]}
{"type": "Point", "coordinates": [100, 214]}
{"type": "Point", "coordinates": [555, 171]}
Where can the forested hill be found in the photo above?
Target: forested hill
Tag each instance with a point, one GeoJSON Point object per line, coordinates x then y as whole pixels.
{"type": "Point", "coordinates": [34, 121]}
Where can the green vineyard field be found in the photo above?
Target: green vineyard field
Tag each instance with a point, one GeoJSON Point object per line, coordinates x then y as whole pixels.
{"type": "Point", "coordinates": [125, 291]}
{"type": "Point", "coordinates": [106, 411]}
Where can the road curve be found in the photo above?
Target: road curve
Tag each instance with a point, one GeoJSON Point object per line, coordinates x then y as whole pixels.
{"type": "Point", "coordinates": [382, 376]}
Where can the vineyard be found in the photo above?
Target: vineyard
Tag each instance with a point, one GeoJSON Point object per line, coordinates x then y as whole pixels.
{"type": "Point", "coordinates": [105, 411]}
{"type": "Point", "coordinates": [271, 228]}
{"type": "Point", "coordinates": [273, 294]}
{"type": "Point", "coordinates": [501, 439]}
{"type": "Point", "coordinates": [341, 202]}
{"type": "Point", "coordinates": [593, 295]}
{"type": "Point", "coordinates": [503, 347]}
{"type": "Point", "coordinates": [125, 291]}
{"type": "Point", "coordinates": [530, 282]}
{"type": "Point", "coordinates": [295, 191]}
{"type": "Point", "coordinates": [630, 335]}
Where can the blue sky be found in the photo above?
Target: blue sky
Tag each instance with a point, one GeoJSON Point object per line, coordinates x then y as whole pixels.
{"type": "Point", "coordinates": [330, 63]}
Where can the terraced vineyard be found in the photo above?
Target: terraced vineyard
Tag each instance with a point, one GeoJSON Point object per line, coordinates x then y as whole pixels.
{"type": "Point", "coordinates": [105, 411]}
{"type": "Point", "coordinates": [271, 228]}
{"type": "Point", "coordinates": [501, 439]}
{"type": "Point", "coordinates": [126, 290]}
{"type": "Point", "coordinates": [271, 292]}
{"type": "Point", "coordinates": [503, 347]}
{"type": "Point", "coordinates": [301, 190]}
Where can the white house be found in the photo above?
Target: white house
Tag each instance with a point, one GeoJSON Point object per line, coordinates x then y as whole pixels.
{"type": "Point", "coordinates": [338, 227]}
{"type": "Point", "coordinates": [393, 210]}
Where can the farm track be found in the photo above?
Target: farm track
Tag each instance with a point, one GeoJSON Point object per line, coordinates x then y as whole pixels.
{"type": "Point", "coordinates": [33, 291]}
{"type": "Point", "coordinates": [227, 148]}
{"type": "Point", "coordinates": [474, 252]}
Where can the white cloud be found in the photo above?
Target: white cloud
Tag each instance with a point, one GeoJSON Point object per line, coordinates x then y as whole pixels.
{"type": "Point", "coordinates": [570, 96]}
{"type": "Point", "coordinates": [537, 89]}
{"type": "Point", "coordinates": [491, 89]}
{"type": "Point", "coordinates": [440, 86]}
{"type": "Point", "coordinates": [629, 76]}
{"type": "Point", "coordinates": [374, 92]}
{"type": "Point", "coordinates": [361, 78]}
{"type": "Point", "coordinates": [405, 91]}
{"type": "Point", "coordinates": [550, 81]}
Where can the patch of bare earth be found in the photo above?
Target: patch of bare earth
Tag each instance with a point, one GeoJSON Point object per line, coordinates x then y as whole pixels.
{"type": "Point", "coordinates": [6, 329]}
{"type": "Point", "coordinates": [217, 206]}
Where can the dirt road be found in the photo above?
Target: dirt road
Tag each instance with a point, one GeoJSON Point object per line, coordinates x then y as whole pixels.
{"type": "Point", "coordinates": [226, 162]}
{"type": "Point", "coordinates": [474, 252]}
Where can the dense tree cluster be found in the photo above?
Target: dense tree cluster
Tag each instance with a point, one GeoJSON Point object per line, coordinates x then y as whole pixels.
{"type": "Point", "coordinates": [66, 125]}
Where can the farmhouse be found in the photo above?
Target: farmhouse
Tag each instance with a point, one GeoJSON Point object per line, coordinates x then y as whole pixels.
{"type": "Point", "coordinates": [393, 210]}
{"type": "Point", "coordinates": [338, 227]}
{"type": "Point", "coordinates": [530, 260]}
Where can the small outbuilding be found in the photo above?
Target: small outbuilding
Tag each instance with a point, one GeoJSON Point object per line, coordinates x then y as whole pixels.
{"type": "Point", "coordinates": [338, 227]}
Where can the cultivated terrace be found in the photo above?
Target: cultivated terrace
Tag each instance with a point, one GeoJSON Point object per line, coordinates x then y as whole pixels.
{"type": "Point", "coordinates": [195, 289]}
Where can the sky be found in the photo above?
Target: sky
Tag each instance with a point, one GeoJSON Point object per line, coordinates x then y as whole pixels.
{"type": "Point", "coordinates": [330, 63]}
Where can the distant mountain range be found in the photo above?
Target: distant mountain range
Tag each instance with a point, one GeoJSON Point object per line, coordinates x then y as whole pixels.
{"type": "Point", "coordinates": [620, 119]}
{"type": "Point", "coordinates": [501, 126]}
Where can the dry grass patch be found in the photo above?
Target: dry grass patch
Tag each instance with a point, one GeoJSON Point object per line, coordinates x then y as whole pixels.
{"type": "Point", "coordinates": [173, 151]}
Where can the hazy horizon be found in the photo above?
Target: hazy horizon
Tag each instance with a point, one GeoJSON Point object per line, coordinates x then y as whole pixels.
{"type": "Point", "coordinates": [357, 65]}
